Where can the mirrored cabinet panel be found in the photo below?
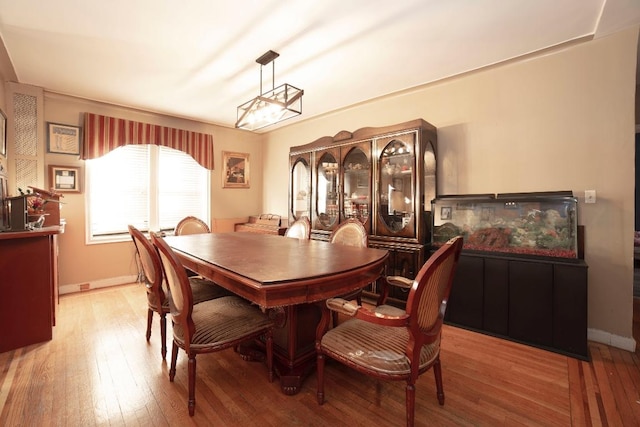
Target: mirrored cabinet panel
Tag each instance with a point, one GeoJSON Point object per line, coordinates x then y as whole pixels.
{"type": "Point", "coordinates": [326, 211]}
{"type": "Point", "coordinates": [356, 189]}
{"type": "Point", "coordinates": [300, 187]}
{"type": "Point", "coordinates": [385, 177]}
{"type": "Point", "coordinates": [396, 178]}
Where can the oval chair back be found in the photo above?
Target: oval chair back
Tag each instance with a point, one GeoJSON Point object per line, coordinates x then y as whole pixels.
{"type": "Point", "coordinates": [351, 233]}
{"type": "Point", "coordinates": [191, 225]}
{"type": "Point", "coordinates": [152, 269]}
{"type": "Point", "coordinates": [300, 229]}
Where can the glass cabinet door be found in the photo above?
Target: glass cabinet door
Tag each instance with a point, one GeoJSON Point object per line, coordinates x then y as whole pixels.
{"type": "Point", "coordinates": [357, 185]}
{"type": "Point", "coordinates": [396, 185]}
{"type": "Point", "coordinates": [326, 208]}
{"type": "Point", "coordinates": [300, 188]}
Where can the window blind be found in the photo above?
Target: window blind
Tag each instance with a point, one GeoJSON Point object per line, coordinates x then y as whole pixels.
{"type": "Point", "coordinates": [147, 186]}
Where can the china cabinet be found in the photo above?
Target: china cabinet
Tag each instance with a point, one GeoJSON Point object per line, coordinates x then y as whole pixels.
{"type": "Point", "coordinates": [383, 176]}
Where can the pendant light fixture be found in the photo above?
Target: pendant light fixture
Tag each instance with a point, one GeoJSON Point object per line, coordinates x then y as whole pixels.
{"type": "Point", "coordinates": [273, 106]}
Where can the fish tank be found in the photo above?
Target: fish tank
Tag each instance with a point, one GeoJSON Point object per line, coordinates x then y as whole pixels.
{"type": "Point", "coordinates": [542, 224]}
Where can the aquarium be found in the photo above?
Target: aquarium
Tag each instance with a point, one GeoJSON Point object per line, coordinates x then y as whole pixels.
{"type": "Point", "coordinates": [534, 224]}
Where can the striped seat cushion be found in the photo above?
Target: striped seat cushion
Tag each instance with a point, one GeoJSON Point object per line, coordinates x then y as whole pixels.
{"type": "Point", "coordinates": [375, 347]}
{"type": "Point", "coordinates": [221, 321]}
{"type": "Point", "coordinates": [205, 290]}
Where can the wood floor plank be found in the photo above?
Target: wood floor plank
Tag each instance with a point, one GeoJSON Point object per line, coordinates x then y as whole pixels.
{"type": "Point", "coordinates": [108, 374]}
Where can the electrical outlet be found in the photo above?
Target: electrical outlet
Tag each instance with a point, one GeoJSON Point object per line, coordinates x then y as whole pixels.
{"type": "Point", "coordinates": [589, 196]}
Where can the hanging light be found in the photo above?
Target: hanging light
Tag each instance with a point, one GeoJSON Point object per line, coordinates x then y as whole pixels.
{"type": "Point", "coordinates": [273, 106]}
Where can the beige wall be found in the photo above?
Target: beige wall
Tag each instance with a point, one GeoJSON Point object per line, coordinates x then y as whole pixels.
{"type": "Point", "coordinates": [111, 263]}
{"type": "Point", "coordinates": [560, 121]}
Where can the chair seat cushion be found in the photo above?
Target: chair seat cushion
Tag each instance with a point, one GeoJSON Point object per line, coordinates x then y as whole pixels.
{"type": "Point", "coordinates": [376, 348]}
{"type": "Point", "coordinates": [205, 290]}
{"type": "Point", "coordinates": [220, 322]}
{"type": "Point", "coordinates": [389, 310]}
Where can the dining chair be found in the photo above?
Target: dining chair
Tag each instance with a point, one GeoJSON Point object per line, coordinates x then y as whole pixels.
{"type": "Point", "coordinates": [300, 229]}
{"type": "Point", "coordinates": [393, 344]}
{"type": "Point", "coordinates": [157, 301]}
{"type": "Point", "coordinates": [210, 326]}
{"type": "Point", "coordinates": [350, 232]}
{"type": "Point", "coordinates": [191, 225]}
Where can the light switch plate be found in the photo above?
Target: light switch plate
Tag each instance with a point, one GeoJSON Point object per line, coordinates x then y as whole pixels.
{"type": "Point", "coordinates": [589, 196]}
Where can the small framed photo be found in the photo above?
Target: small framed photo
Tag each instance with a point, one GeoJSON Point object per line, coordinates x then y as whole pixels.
{"type": "Point", "coordinates": [65, 178]}
{"type": "Point", "coordinates": [235, 173]}
{"type": "Point", "coordinates": [486, 214]}
{"type": "Point", "coordinates": [63, 139]}
{"type": "Point", "coordinates": [3, 134]}
{"type": "Point", "coordinates": [445, 213]}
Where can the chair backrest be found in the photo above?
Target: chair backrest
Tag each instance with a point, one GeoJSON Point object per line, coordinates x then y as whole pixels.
{"type": "Point", "coordinates": [300, 229]}
{"type": "Point", "coordinates": [350, 233]}
{"type": "Point", "coordinates": [191, 225]}
{"type": "Point", "coordinates": [427, 300]}
{"type": "Point", "coordinates": [181, 297]}
{"type": "Point", "coordinates": [150, 266]}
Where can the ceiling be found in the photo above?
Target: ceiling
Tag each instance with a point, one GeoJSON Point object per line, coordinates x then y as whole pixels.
{"type": "Point", "coordinates": [196, 59]}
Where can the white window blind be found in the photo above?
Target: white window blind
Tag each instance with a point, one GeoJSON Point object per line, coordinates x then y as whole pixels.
{"type": "Point", "coordinates": [147, 186]}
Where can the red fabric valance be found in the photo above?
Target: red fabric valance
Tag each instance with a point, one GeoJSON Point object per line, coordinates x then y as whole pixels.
{"type": "Point", "coordinates": [103, 134]}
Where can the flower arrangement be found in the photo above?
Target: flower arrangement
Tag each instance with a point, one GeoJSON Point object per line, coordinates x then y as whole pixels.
{"type": "Point", "coordinates": [35, 202]}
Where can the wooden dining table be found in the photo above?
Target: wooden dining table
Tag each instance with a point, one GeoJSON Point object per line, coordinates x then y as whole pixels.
{"type": "Point", "coordinates": [291, 277]}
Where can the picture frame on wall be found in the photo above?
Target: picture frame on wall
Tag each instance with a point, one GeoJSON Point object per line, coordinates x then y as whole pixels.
{"type": "Point", "coordinates": [235, 173]}
{"type": "Point", "coordinates": [3, 134]}
{"type": "Point", "coordinates": [63, 139]}
{"type": "Point", "coordinates": [65, 179]}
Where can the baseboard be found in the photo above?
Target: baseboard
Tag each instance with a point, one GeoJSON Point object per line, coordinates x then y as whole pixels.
{"type": "Point", "coordinates": [104, 283]}
{"type": "Point", "coordinates": [608, 338]}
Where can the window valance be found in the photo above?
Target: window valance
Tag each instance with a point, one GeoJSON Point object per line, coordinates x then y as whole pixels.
{"type": "Point", "coordinates": [103, 134]}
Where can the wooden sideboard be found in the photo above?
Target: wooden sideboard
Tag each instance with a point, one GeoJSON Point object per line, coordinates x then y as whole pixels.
{"type": "Point", "coordinates": [28, 286]}
{"type": "Point", "coordinates": [263, 224]}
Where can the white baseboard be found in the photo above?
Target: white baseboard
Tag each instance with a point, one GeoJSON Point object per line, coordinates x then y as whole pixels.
{"type": "Point", "coordinates": [81, 287]}
{"type": "Point", "coordinates": [608, 338]}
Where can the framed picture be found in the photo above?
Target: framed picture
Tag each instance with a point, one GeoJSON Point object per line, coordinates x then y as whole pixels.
{"type": "Point", "coordinates": [63, 139]}
{"type": "Point", "coordinates": [445, 213]}
{"type": "Point", "coordinates": [65, 178]}
{"type": "Point", "coordinates": [235, 173]}
{"type": "Point", "coordinates": [3, 134]}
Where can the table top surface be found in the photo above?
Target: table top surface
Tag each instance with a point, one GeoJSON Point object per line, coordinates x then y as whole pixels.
{"type": "Point", "coordinates": [269, 259]}
{"type": "Point", "coordinates": [270, 269]}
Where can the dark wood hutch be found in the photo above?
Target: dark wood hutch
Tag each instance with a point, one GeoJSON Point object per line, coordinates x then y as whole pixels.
{"type": "Point", "coordinates": [383, 176]}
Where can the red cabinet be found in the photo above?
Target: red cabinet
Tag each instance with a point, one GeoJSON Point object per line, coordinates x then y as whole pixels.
{"type": "Point", "coordinates": [28, 285]}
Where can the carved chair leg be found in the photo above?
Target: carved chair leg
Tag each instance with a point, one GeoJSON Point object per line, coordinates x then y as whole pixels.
{"type": "Point", "coordinates": [163, 335]}
{"type": "Point", "coordinates": [174, 359]}
{"type": "Point", "coordinates": [269, 340]}
{"type": "Point", "coordinates": [192, 384]}
{"type": "Point", "coordinates": [437, 372]}
{"type": "Point", "coordinates": [411, 403]}
{"type": "Point", "coordinates": [149, 320]}
{"type": "Point", "coordinates": [320, 378]}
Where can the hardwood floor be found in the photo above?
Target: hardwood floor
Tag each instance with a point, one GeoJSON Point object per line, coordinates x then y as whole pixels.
{"type": "Point", "coordinates": [99, 370]}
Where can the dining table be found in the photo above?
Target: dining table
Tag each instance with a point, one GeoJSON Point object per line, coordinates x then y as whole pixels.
{"type": "Point", "coordinates": [289, 277]}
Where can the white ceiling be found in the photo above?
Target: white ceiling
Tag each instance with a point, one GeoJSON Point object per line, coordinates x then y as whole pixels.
{"type": "Point", "coordinates": [196, 58]}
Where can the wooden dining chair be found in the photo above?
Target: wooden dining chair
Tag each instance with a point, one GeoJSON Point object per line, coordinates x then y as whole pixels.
{"type": "Point", "coordinates": [350, 232]}
{"type": "Point", "coordinates": [210, 326]}
{"type": "Point", "coordinates": [400, 345]}
{"type": "Point", "coordinates": [300, 229]}
{"type": "Point", "coordinates": [191, 225]}
{"type": "Point", "coordinates": [157, 301]}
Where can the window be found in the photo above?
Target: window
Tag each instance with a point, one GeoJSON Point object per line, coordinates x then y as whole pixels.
{"type": "Point", "coordinates": [148, 186]}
